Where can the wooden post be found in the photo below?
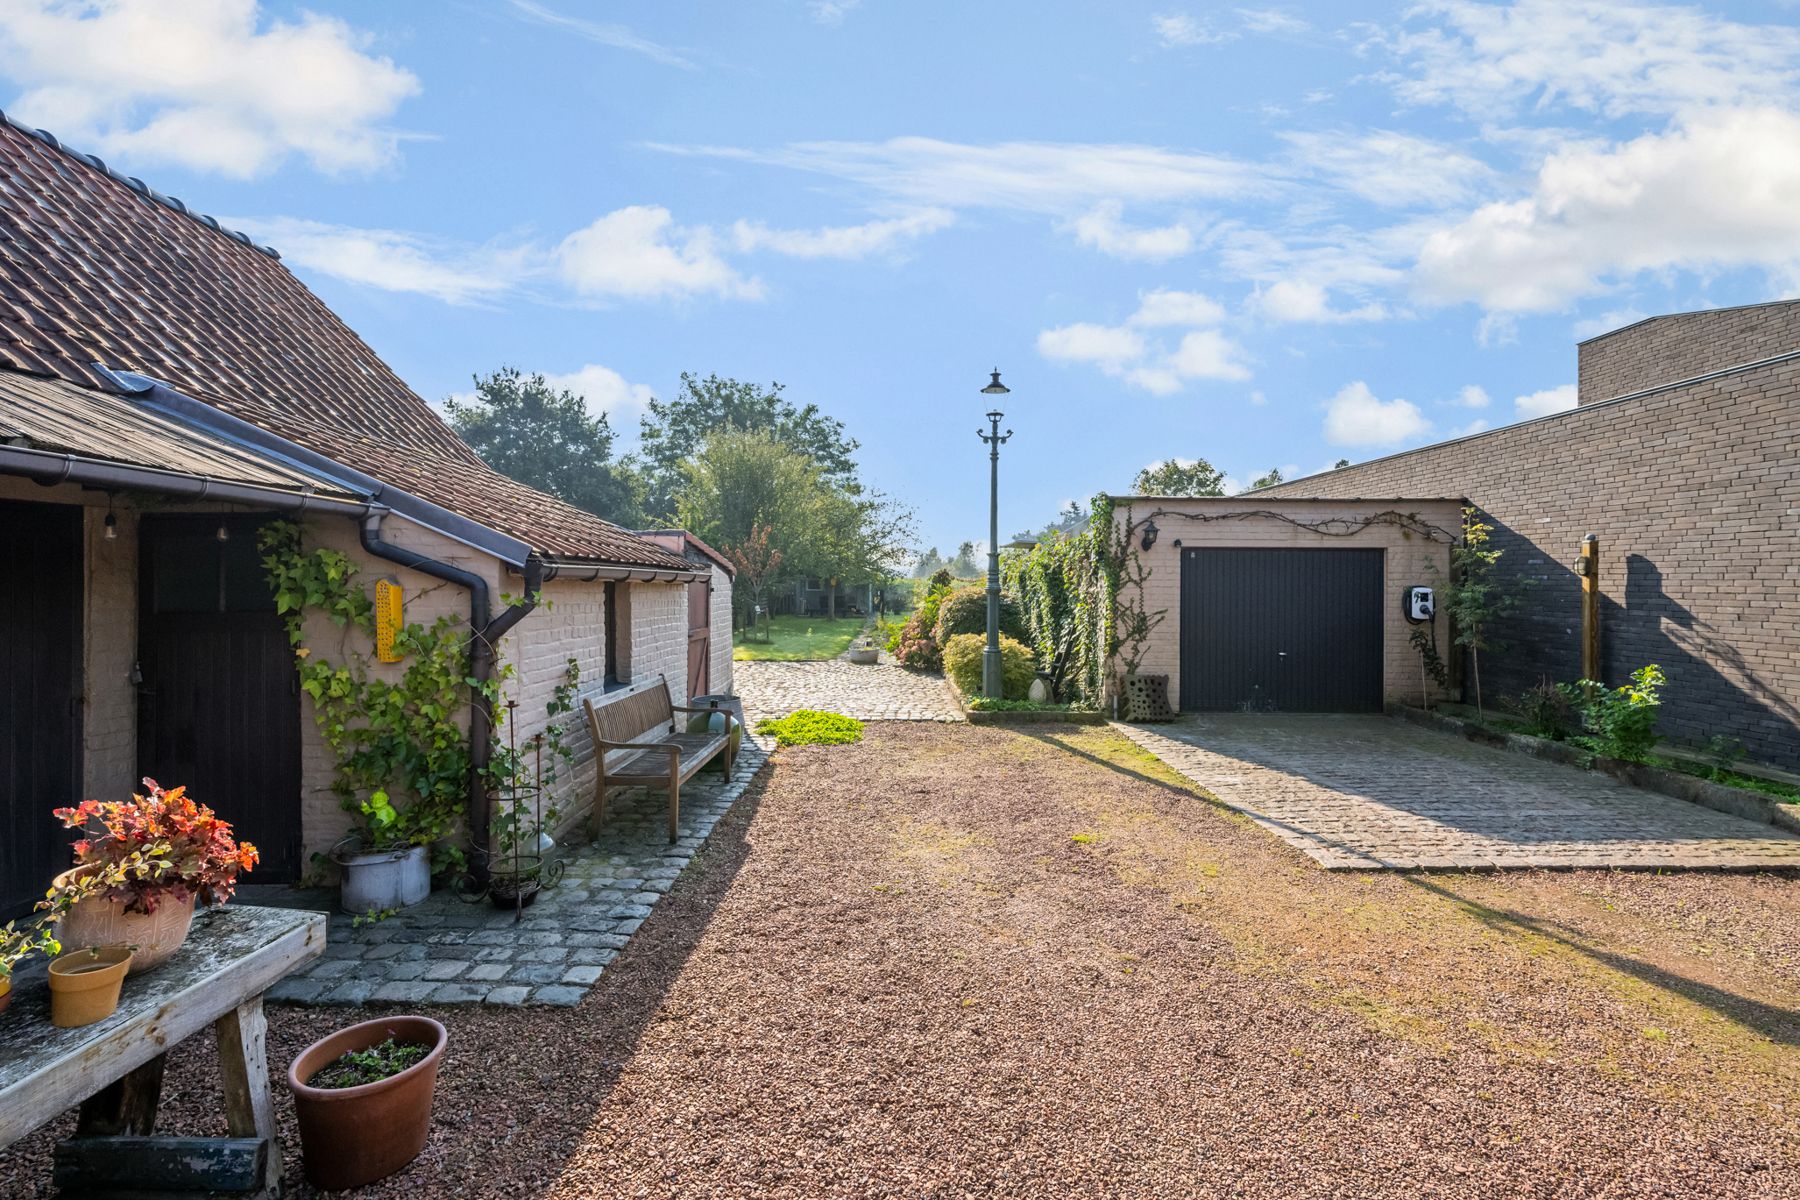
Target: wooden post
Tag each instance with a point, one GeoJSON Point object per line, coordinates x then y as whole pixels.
{"type": "Point", "coordinates": [242, 1037]}
{"type": "Point", "coordinates": [1590, 608]}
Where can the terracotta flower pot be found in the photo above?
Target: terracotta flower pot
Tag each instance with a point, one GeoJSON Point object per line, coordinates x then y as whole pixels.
{"type": "Point", "coordinates": [5, 993]}
{"type": "Point", "coordinates": [84, 985]}
{"type": "Point", "coordinates": [97, 921]}
{"type": "Point", "coordinates": [353, 1136]}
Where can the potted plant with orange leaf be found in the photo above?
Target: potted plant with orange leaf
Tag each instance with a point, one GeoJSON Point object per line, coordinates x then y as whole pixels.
{"type": "Point", "coordinates": [140, 870]}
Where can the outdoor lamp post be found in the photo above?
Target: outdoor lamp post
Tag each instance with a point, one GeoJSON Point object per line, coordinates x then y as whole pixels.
{"type": "Point", "coordinates": [991, 674]}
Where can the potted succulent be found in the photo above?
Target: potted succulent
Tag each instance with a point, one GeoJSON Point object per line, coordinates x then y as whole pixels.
{"type": "Point", "coordinates": [17, 945]}
{"type": "Point", "coordinates": [138, 875]}
{"type": "Point", "coordinates": [383, 868]}
{"type": "Point", "coordinates": [363, 1099]}
{"type": "Point", "coordinates": [84, 984]}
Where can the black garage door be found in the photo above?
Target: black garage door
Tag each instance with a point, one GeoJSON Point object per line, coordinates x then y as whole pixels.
{"type": "Point", "coordinates": [1281, 630]}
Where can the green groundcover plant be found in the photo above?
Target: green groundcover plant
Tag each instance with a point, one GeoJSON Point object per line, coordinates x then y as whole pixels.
{"type": "Point", "coordinates": [381, 1061]}
{"type": "Point", "coordinates": [808, 727]}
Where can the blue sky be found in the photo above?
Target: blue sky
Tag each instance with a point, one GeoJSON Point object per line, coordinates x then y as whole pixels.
{"type": "Point", "coordinates": [1265, 235]}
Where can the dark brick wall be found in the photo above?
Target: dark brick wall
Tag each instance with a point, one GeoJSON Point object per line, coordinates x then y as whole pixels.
{"type": "Point", "coordinates": [1695, 496]}
{"type": "Point", "coordinates": [1684, 345]}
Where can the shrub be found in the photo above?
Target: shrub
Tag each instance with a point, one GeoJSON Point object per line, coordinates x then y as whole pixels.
{"type": "Point", "coordinates": [1622, 720]}
{"type": "Point", "coordinates": [917, 647]}
{"type": "Point", "coordinates": [962, 663]}
{"type": "Point", "coordinates": [153, 847]}
{"type": "Point", "coordinates": [965, 611]}
{"type": "Point", "coordinates": [1546, 711]}
{"type": "Point", "coordinates": [808, 727]}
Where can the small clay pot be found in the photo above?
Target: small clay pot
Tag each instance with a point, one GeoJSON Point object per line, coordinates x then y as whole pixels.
{"type": "Point", "coordinates": [84, 985]}
{"type": "Point", "coordinates": [99, 921]}
{"type": "Point", "coordinates": [353, 1136]}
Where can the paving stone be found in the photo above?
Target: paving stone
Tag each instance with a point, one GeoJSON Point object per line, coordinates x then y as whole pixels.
{"type": "Point", "coordinates": [350, 991]}
{"type": "Point", "coordinates": [297, 989]}
{"type": "Point", "coordinates": [596, 957]}
{"type": "Point", "coordinates": [544, 954]}
{"type": "Point", "coordinates": [400, 991]}
{"type": "Point", "coordinates": [536, 973]}
{"type": "Point", "coordinates": [441, 972]}
{"type": "Point", "coordinates": [1362, 792]}
{"type": "Point", "coordinates": [586, 976]}
{"type": "Point", "coordinates": [510, 997]}
{"type": "Point", "coordinates": [334, 968]}
{"type": "Point", "coordinates": [458, 993]}
{"type": "Point", "coordinates": [495, 954]}
{"type": "Point", "coordinates": [487, 972]}
{"type": "Point", "coordinates": [560, 996]}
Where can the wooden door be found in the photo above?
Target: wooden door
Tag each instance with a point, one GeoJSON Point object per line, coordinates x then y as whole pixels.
{"type": "Point", "coordinates": [219, 708]}
{"type": "Point", "coordinates": [700, 637]}
{"type": "Point", "coordinates": [40, 696]}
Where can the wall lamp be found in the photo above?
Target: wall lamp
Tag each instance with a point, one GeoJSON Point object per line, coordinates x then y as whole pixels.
{"type": "Point", "coordinates": [1150, 532]}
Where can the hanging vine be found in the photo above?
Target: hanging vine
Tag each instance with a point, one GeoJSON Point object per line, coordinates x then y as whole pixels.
{"type": "Point", "coordinates": [401, 746]}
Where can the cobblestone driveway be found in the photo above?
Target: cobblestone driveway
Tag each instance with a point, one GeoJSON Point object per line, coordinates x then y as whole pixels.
{"type": "Point", "coordinates": [1358, 792]}
{"type": "Point", "coordinates": [877, 692]}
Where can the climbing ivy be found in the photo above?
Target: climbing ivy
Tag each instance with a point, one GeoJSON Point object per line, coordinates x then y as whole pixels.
{"type": "Point", "coordinates": [405, 737]}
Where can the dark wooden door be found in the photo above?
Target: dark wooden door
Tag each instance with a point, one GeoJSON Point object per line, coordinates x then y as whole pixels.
{"type": "Point", "coordinates": [40, 690]}
{"type": "Point", "coordinates": [700, 637]}
{"type": "Point", "coordinates": [219, 708]}
{"type": "Point", "coordinates": [1276, 630]}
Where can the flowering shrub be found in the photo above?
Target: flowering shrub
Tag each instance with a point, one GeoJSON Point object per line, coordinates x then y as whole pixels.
{"type": "Point", "coordinates": [157, 846]}
{"type": "Point", "coordinates": [917, 646]}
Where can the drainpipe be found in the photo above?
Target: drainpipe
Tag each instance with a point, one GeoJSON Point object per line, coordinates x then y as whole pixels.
{"type": "Point", "coordinates": [487, 633]}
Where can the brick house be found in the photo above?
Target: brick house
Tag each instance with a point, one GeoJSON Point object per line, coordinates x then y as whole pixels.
{"type": "Point", "coordinates": [167, 386]}
{"type": "Point", "coordinates": [1680, 459]}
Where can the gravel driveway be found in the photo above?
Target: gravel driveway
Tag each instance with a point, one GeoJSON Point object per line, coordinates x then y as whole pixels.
{"type": "Point", "coordinates": [968, 961]}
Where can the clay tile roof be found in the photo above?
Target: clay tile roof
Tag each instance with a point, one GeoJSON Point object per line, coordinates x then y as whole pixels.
{"type": "Point", "coordinates": [98, 268]}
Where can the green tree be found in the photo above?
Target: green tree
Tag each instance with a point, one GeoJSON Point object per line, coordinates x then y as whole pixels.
{"type": "Point", "coordinates": [1176, 477]}
{"type": "Point", "coordinates": [1269, 480]}
{"type": "Point", "coordinates": [928, 564]}
{"type": "Point", "coordinates": [675, 431]}
{"type": "Point", "coordinates": [963, 565]}
{"type": "Point", "coordinates": [1475, 597]}
{"type": "Point", "coordinates": [1340, 464]}
{"type": "Point", "coordinates": [544, 436]}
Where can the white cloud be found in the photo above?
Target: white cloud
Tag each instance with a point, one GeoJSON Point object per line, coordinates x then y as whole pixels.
{"type": "Point", "coordinates": [1300, 301]}
{"type": "Point", "coordinates": [209, 86]}
{"type": "Point", "coordinates": [1124, 352]}
{"type": "Point", "coordinates": [832, 12]}
{"type": "Point", "coordinates": [1355, 417]}
{"type": "Point", "coordinates": [1164, 307]}
{"type": "Point", "coordinates": [1473, 427]}
{"type": "Point", "coordinates": [606, 391]}
{"type": "Point", "coordinates": [1721, 190]}
{"type": "Point", "coordinates": [1179, 29]}
{"type": "Point", "coordinates": [1061, 178]}
{"type": "Point", "coordinates": [1108, 346]}
{"type": "Point", "coordinates": [1472, 396]}
{"type": "Point", "coordinates": [1606, 322]}
{"type": "Point", "coordinates": [841, 241]}
{"type": "Point", "coordinates": [1611, 57]}
{"type": "Point", "coordinates": [1270, 20]}
{"type": "Point", "coordinates": [640, 253]}
{"type": "Point", "coordinates": [394, 260]}
{"type": "Point", "coordinates": [1208, 354]}
{"type": "Point", "coordinates": [617, 36]}
{"type": "Point", "coordinates": [1550, 400]}
{"type": "Point", "coordinates": [1396, 170]}
{"type": "Point", "coordinates": [1102, 228]}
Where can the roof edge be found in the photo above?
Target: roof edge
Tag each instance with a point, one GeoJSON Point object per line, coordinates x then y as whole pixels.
{"type": "Point", "coordinates": [1659, 389]}
{"type": "Point", "coordinates": [133, 183]}
{"type": "Point", "coordinates": [1692, 312]}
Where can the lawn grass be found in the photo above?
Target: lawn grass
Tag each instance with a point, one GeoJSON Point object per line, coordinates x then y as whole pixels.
{"type": "Point", "coordinates": [796, 639]}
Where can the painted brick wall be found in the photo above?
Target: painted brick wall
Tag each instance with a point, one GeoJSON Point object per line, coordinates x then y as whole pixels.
{"type": "Point", "coordinates": [1684, 345]}
{"type": "Point", "coordinates": [1693, 494]}
{"type": "Point", "coordinates": [720, 665]}
{"type": "Point", "coordinates": [1408, 560]}
{"type": "Point", "coordinates": [323, 821]}
{"type": "Point", "coordinates": [574, 626]}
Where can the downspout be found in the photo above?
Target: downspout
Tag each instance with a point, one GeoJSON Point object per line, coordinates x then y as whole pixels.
{"type": "Point", "coordinates": [487, 632]}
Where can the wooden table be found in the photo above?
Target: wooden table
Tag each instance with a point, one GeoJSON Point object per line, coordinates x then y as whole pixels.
{"type": "Point", "coordinates": [114, 1068]}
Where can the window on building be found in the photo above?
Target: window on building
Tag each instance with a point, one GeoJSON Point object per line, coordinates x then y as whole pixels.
{"type": "Point", "coordinates": [618, 634]}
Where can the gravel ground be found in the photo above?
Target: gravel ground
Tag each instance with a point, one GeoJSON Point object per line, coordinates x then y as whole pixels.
{"type": "Point", "coordinates": [968, 961]}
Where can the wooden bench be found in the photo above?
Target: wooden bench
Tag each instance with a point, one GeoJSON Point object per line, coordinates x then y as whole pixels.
{"type": "Point", "coordinates": [114, 1068]}
{"type": "Point", "coordinates": [637, 744]}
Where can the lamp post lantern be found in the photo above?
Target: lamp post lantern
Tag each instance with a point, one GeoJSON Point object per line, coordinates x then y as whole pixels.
{"type": "Point", "coordinates": [991, 674]}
